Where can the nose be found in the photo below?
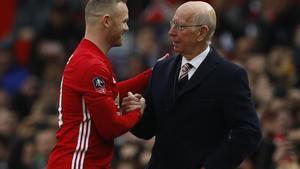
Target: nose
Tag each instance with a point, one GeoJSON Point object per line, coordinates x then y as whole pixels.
{"type": "Point", "coordinates": [126, 28]}
{"type": "Point", "coordinates": [172, 31]}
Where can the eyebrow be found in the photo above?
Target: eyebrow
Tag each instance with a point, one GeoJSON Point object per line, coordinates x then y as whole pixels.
{"type": "Point", "coordinates": [126, 20]}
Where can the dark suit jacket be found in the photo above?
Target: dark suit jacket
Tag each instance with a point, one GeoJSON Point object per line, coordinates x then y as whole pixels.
{"type": "Point", "coordinates": [211, 122]}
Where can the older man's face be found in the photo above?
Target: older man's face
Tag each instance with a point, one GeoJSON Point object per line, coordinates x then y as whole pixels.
{"type": "Point", "coordinates": [184, 38]}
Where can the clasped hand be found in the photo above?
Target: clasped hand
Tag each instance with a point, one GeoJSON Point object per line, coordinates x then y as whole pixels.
{"type": "Point", "coordinates": [133, 102]}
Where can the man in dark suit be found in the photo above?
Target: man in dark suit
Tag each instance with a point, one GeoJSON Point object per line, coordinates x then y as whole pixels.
{"type": "Point", "coordinates": [198, 104]}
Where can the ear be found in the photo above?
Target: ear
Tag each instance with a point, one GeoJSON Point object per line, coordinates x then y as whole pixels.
{"type": "Point", "coordinates": [106, 21]}
{"type": "Point", "coordinates": [202, 33]}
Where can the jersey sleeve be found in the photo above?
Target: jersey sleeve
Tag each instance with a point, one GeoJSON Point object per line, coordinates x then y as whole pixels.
{"type": "Point", "coordinates": [100, 103]}
{"type": "Point", "coordinates": [136, 84]}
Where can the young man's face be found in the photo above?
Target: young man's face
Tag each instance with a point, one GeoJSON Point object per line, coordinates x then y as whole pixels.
{"type": "Point", "coordinates": [119, 26]}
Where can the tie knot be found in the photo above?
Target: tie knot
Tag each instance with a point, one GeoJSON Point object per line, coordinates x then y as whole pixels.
{"type": "Point", "coordinates": [186, 67]}
{"type": "Point", "coordinates": [185, 70]}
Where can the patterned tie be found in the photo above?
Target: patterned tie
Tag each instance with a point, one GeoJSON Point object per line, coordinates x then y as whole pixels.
{"type": "Point", "coordinates": [184, 70]}
{"type": "Point", "coordinates": [183, 76]}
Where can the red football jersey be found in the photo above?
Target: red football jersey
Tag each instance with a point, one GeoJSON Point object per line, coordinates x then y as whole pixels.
{"type": "Point", "coordinates": [89, 115]}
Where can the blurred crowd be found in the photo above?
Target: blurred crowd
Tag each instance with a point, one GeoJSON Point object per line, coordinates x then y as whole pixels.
{"type": "Point", "coordinates": [37, 38]}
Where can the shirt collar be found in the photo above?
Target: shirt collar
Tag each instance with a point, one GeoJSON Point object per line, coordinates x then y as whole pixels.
{"type": "Point", "coordinates": [196, 61]}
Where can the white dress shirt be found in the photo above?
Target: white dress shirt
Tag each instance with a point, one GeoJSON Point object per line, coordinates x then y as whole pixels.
{"type": "Point", "coordinates": [196, 61]}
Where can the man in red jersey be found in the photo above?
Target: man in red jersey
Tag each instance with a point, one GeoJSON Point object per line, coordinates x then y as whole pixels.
{"type": "Point", "coordinates": [89, 113]}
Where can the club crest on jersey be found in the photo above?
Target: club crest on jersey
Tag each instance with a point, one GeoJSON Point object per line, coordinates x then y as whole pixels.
{"type": "Point", "coordinates": [99, 84]}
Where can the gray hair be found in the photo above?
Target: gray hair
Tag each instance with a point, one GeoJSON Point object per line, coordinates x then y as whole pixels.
{"type": "Point", "coordinates": [206, 19]}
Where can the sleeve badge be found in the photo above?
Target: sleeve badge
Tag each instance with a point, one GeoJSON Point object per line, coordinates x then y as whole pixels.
{"type": "Point", "coordinates": [99, 85]}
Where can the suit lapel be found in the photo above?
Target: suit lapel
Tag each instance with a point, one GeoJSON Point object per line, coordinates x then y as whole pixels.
{"type": "Point", "coordinates": [204, 70]}
{"type": "Point", "coordinates": [174, 74]}
{"type": "Point", "coordinates": [168, 78]}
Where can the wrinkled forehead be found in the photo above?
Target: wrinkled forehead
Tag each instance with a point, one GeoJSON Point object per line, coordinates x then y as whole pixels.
{"type": "Point", "coordinates": [183, 15]}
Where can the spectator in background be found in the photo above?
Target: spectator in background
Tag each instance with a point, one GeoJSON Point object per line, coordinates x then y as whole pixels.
{"type": "Point", "coordinates": [146, 46]}
{"type": "Point", "coordinates": [8, 14]}
{"type": "Point", "coordinates": [26, 96]}
{"type": "Point", "coordinates": [8, 121]}
{"type": "Point", "coordinates": [158, 11]}
{"type": "Point", "coordinates": [5, 99]}
{"type": "Point", "coordinates": [44, 140]}
{"type": "Point", "coordinates": [11, 74]}
{"type": "Point", "coordinates": [4, 152]}
{"type": "Point", "coordinates": [22, 154]}
{"type": "Point", "coordinates": [198, 104]}
{"type": "Point", "coordinates": [45, 53]}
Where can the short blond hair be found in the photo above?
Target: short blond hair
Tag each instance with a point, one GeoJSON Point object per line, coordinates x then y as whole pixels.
{"type": "Point", "coordinates": [100, 7]}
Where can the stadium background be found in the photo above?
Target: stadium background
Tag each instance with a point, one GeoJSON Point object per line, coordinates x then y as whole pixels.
{"type": "Point", "coordinates": [37, 37]}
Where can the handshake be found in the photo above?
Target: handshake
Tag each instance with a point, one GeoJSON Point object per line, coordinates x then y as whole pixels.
{"type": "Point", "coordinates": [133, 102]}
